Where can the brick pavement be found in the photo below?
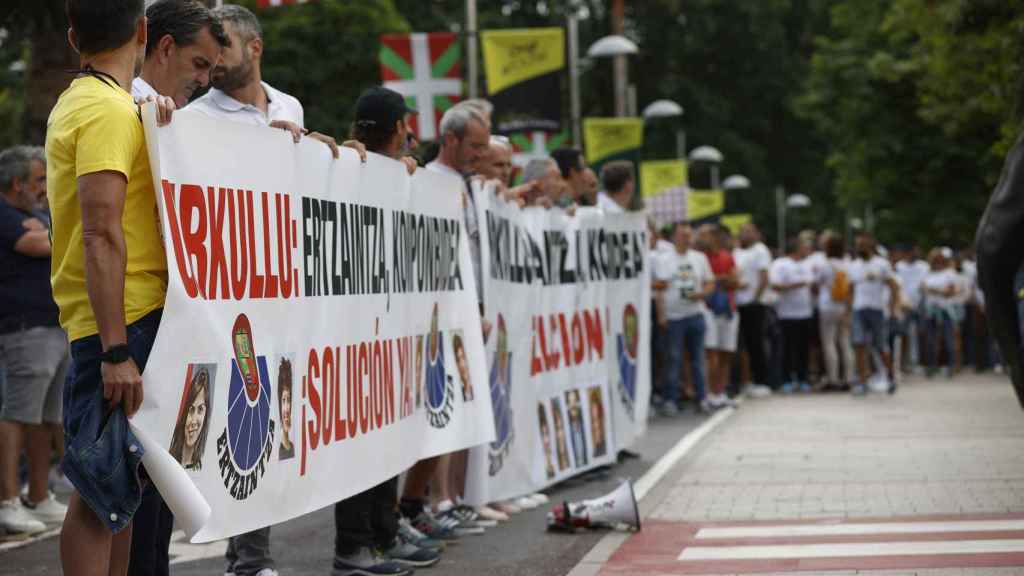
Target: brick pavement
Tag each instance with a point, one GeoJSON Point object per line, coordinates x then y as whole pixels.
{"type": "Point", "coordinates": [939, 453]}
{"type": "Point", "coordinates": [936, 447]}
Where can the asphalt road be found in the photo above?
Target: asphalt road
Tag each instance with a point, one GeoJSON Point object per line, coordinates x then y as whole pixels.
{"type": "Point", "coordinates": [520, 547]}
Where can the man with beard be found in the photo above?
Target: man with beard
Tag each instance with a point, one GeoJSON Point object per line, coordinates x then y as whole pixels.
{"type": "Point", "coordinates": [239, 93]}
{"type": "Point", "coordinates": [184, 44]}
{"type": "Point", "coordinates": [870, 274]}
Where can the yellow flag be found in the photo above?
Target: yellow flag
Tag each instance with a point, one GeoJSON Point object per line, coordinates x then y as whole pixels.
{"type": "Point", "coordinates": [736, 221]}
{"type": "Point", "coordinates": [656, 176]}
{"type": "Point", "coordinates": [606, 137]}
{"type": "Point", "coordinates": [703, 203]}
{"type": "Point", "coordinates": [512, 56]}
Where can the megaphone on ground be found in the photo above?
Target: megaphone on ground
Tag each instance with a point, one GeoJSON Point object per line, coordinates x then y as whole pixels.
{"type": "Point", "coordinates": [608, 511]}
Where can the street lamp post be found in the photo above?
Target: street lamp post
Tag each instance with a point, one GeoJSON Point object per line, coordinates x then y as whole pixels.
{"type": "Point", "coordinates": [617, 47]}
{"type": "Point", "coordinates": [711, 155]}
{"type": "Point", "coordinates": [735, 183]}
{"type": "Point", "coordinates": [573, 28]}
{"type": "Point", "coordinates": [669, 109]}
{"type": "Point", "coordinates": [782, 204]}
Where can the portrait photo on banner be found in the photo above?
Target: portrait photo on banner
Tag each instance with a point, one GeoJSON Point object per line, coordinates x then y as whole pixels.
{"type": "Point", "coordinates": [598, 430]}
{"type": "Point", "coordinates": [577, 436]}
{"type": "Point", "coordinates": [545, 440]}
{"type": "Point", "coordinates": [285, 380]}
{"type": "Point", "coordinates": [191, 428]}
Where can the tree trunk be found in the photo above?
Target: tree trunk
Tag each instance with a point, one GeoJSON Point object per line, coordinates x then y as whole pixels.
{"type": "Point", "coordinates": [50, 58]}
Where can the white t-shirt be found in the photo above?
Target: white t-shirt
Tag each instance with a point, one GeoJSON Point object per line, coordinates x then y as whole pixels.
{"type": "Point", "coordinates": [142, 89]}
{"type": "Point", "coordinates": [911, 274]}
{"type": "Point", "coordinates": [605, 202]}
{"type": "Point", "coordinates": [824, 278]}
{"type": "Point", "coordinates": [280, 106]}
{"type": "Point", "coordinates": [795, 304]}
{"type": "Point", "coordinates": [939, 280]}
{"type": "Point", "coordinates": [686, 274]}
{"type": "Point", "coordinates": [750, 262]}
{"type": "Point", "coordinates": [869, 278]}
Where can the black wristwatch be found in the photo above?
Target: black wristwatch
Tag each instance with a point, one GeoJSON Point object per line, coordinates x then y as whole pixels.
{"type": "Point", "coordinates": [116, 354]}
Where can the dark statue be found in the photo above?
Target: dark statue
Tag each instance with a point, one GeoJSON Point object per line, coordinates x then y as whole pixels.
{"type": "Point", "coordinates": [1000, 246]}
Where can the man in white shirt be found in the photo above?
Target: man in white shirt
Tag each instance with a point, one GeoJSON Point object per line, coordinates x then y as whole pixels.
{"type": "Point", "coordinates": [791, 276]}
{"type": "Point", "coordinates": [239, 93]}
{"type": "Point", "coordinates": [619, 186]}
{"type": "Point", "coordinates": [688, 279]}
{"type": "Point", "coordinates": [911, 270]}
{"type": "Point", "coordinates": [753, 259]}
{"type": "Point", "coordinates": [870, 274]}
{"type": "Point", "coordinates": [184, 44]}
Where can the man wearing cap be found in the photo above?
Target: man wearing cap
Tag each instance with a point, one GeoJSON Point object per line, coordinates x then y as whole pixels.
{"type": "Point", "coordinates": [367, 535]}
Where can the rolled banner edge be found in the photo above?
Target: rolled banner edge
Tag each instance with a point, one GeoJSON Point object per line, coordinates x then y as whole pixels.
{"type": "Point", "coordinates": [191, 510]}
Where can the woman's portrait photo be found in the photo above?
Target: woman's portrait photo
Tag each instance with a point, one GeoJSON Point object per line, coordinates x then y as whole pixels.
{"type": "Point", "coordinates": [189, 439]}
{"type": "Point", "coordinates": [545, 440]}
{"type": "Point", "coordinates": [462, 363]}
{"type": "Point", "coordinates": [284, 407]}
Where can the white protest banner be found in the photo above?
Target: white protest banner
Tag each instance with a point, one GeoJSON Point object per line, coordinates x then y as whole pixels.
{"type": "Point", "coordinates": [321, 331]}
{"type": "Point", "coordinates": [568, 355]}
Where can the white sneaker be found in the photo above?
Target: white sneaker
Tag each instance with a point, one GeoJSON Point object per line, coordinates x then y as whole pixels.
{"type": "Point", "coordinates": [526, 503]}
{"type": "Point", "coordinates": [267, 572]}
{"type": "Point", "coordinates": [507, 507]}
{"type": "Point", "coordinates": [758, 391]}
{"type": "Point", "coordinates": [48, 511]}
{"type": "Point", "coordinates": [539, 498]}
{"type": "Point", "coordinates": [14, 519]}
{"type": "Point", "coordinates": [59, 483]}
{"type": "Point", "coordinates": [488, 513]}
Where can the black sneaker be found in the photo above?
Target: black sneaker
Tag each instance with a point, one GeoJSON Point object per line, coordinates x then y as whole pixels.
{"type": "Point", "coordinates": [406, 554]}
{"type": "Point", "coordinates": [366, 562]}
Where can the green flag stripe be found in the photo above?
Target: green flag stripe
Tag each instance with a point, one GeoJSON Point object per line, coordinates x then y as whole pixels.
{"type": "Point", "coordinates": [393, 61]}
{"type": "Point", "coordinates": [521, 141]}
{"type": "Point", "coordinates": [558, 140]}
{"type": "Point", "coordinates": [442, 102]}
{"type": "Point", "coordinates": [410, 101]}
{"type": "Point", "coordinates": [446, 61]}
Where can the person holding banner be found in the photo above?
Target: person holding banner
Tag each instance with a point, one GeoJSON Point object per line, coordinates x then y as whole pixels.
{"type": "Point", "coordinates": [619, 185]}
{"type": "Point", "coordinates": [184, 44]}
{"type": "Point", "coordinates": [690, 280]}
{"type": "Point", "coordinates": [573, 168]}
{"type": "Point", "coordinates": [368, 522]}
{"type": "Point", "coordinates": [109, 277]}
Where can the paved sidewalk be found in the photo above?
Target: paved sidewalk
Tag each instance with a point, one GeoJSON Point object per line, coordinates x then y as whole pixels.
{"type": "Point", "coordinates": [908, 475]}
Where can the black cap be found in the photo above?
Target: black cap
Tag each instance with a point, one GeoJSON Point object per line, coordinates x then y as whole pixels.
{"type": "Point", "coordinates": [381, 106]}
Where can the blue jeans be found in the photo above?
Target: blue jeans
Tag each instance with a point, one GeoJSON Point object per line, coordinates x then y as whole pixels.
{"type": "Point", "coordinates": [688, 332]}
{"type": "Point", "coordinates": [940, 325]}
{"type": "Point", "coordinates": [101, 454]}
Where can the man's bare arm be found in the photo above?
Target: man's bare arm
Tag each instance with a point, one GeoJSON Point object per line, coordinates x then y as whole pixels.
{"type": "Point", "coordinates": [101, 196]}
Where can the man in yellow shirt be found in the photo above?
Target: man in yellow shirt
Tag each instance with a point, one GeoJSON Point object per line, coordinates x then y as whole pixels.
{"type": "Point", "coordinates": [109, 277]}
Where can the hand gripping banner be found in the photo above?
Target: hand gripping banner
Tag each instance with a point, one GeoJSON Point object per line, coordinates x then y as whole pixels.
{"type": "Point", "coordinates": [321, 332]}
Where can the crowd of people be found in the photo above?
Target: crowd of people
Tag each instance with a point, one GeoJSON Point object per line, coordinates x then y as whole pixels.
{"type": "Point", "coordinates": [83, 279]}
{"type": "Point", "coordinates": [817, 318]}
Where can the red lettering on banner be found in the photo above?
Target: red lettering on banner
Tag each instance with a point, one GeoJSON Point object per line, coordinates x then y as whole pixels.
{"type": "Point", "coordinates": [388, 380]}
{"type": "Point", "coordinates": [330, 396]}
{"type": "Point", "coordinates": [218, 263]}
{"type": "Point", "coordinates": [405, 377]}
{"type": "Point", "coordinates": [376, 406]}
{"type": "Point", "coordinates": [581, 338]}
{"type": "Point", "coordinates": [352, 408]}
{"type": "Point", "coordinates": [191, 201]}
{"type": "Point", "coordinates": [364, 408]}
{"type": "Point", "coordinates": [239, 246]}
{"type": "Point", "coordinates": [184, 271]}
{"type": "Point", "coordinates": [271, 284]}
{"type": "Point", "coordinates": [314, 398]}
{"type": "Point", "coordinates": [255, 278]}
{"type": "Point", "coordinates": [340, 430]}
{"type": "Point", "coordinates": [283, 246]}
